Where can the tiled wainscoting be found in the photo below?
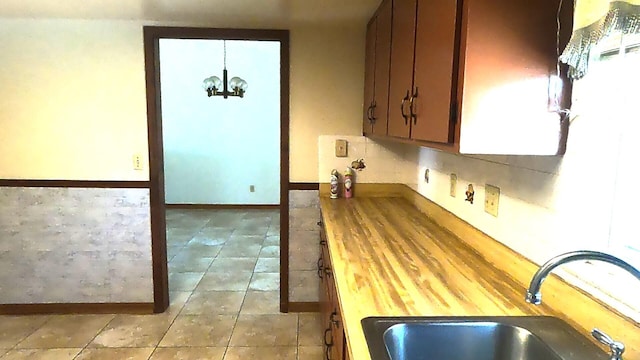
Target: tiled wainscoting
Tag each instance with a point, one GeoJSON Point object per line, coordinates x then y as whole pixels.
{"type": "Point", "coordinates": [304, 213]}
{"type": "Point", "coordinates": [74, 245]}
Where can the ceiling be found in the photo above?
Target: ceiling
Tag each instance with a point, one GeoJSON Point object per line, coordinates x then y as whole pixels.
{"type": "Point", "coordinates": [221, 13]}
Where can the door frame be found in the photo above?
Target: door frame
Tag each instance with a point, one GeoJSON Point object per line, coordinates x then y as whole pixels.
{"type": "Point", "coordinates": [152, 36]}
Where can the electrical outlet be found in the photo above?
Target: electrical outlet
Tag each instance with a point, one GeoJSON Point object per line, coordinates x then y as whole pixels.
{"type": "Point", "coordinates": [252, 188]}
{"type": "Point", "coordinates": [491, 199]}
{"type": "Point", "coordinates": [453, 183]}
{"type": "Point", "coordinates": [341, 148]}
{"type": "Point", "coordinates": [137, 162]}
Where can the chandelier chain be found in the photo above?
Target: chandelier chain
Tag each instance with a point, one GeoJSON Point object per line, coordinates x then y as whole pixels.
{"type": "Point", "coordinates": [224, 44]}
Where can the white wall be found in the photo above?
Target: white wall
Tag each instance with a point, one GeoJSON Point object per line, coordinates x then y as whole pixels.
{"type": "Point", "coordinates": [215, 148]}
{"type": "Point", "coordinates": [550, 205]}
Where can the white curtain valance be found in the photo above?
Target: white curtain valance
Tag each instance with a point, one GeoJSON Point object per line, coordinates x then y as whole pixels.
{"type": "Point", "coordinates": [592, 21]}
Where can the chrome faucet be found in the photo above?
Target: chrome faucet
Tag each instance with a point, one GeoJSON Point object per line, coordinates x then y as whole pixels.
{"type": "Point", "coordinates": [535, 297]}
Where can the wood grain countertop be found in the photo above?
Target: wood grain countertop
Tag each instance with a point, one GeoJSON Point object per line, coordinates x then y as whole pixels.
{"type": "Point", "coordinates": [390, 259]}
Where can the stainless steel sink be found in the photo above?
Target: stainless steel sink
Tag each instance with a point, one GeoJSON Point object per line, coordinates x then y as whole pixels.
{"type": "Point", "coordinates": [476, 338]}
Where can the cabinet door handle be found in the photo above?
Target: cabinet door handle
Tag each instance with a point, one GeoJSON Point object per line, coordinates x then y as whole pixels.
{"type": "Point", "coordinates": [333, 320]}
{"type": "Point", "coordinates": [327, 353]}
{"type": "Point", "coordinates": [404, 116]}
{"type": "Point", "coordinates": [326, 342]}
{"type": "Point", "coordinates": [373, 109]}
{"type": "Point", "coordinates": [411, 112]}
{"type": "Point", "coordinates": [320, 267]}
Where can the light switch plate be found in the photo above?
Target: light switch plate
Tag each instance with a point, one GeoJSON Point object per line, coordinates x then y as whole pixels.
{"type": "Point", "coordinates": [341, 148]}
{"type": "Point", "coordinates": [491, 199]}
{"type": "Point", "coordinates": [137, 162]}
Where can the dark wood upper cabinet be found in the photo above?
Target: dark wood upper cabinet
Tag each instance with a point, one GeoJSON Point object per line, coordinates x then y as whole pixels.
{"type": "Point", "coordinates": [434, 78]}
{"type": "Point", "coordinates": [476, 76]}
{"type": "Point", "coordinates": [403, 37]}
{"type": "Point", "coordinates": [378, 52]}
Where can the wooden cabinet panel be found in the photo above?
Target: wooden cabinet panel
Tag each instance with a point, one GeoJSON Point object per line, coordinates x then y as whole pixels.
{"type": "Point", "coordinates": [333, 331]}
{"type": "Point", "coordinates": [435, 72]}
{"type": "Point", "coordinates": [383, 58]}
{"type": "Point", "coordinates": [401, 73]}
{"type": "Point", "coordinates": [377, 58]}
{"type": "Point", "coordinates": [369, 77]}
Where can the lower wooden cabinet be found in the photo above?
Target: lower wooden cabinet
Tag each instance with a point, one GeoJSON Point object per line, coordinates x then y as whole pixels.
{"type": "Point", "coordinates": [333, 333]}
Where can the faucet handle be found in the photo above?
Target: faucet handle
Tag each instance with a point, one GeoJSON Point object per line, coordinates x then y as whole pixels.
{"type": "Point", "coordinates": [616, 347]}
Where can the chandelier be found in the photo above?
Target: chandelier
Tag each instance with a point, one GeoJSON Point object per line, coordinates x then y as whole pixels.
{"type": "Point", "coordinates": [216, 87]}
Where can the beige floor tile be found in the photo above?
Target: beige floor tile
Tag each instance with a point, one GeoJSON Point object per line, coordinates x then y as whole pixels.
{"type": "Point", "coordinates": [192, 353]}
{"type": "Point", "coordinates": [265, 282]}
{"type": "Point", "coordinates": [214, 302]}
{"type": "Point", "coordinates": [231, 281]}
{"type": "Point", "coordinates": [265, 330]}
{"type": "Point", "coordinates": [232, 264]}
{"type": "Point", "coordinates": [251, 230]}
{"type": "Point", "coordinates": [303, 286]}
{"type": "Point", "coordinates": [198, 251]}
{"type": "Point", "coordinates": [262, 353]}
{"type": "Point", "coordinates": [172, 251]}
{"type": "Point", "coordinates": [261, 302]}
{"type": "Point", "coordinates": [270, 251]}
{"type": "Point", "coordinates": [246, 240]}
{"type": "Point", "coordinates": [133, 331]}
{"type": "Point", "coordinates": [177, 299]}
{"type": "Point", "coordinates": [199, 330]}
{"type": "Point", "coordinates": [309, 329]}
{"type": "Point", "coordinates": [184, 281]}
{"type": "Point", "coordinates": [14, 329]}
{"type": "Point", "coordinates": [239, 250]}
{"type": "Point", "coordinates": [113, 354]}
{"type": "Point", "coordinates": [66, 331]}
{"type": "Point", "coordinates": [272, 240]}
{"type": "Point", "coordinates": [212, 236]}
{"type": "Point", "coordinates": [41, 354]}
{"type": "Point", "coordinates": [311, 353]}
{"type": "Point", "coordinates": [267, 265]}
{"type": "Point", "coordinates": [274, 229]}
{"type": "Point", "coordinates": [181, 265]}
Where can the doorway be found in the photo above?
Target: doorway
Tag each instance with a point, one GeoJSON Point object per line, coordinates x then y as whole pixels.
{"type": "Point", "coordinates": [152, 36]}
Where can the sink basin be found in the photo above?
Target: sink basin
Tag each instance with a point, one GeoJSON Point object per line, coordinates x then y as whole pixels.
{"type": "Point", "coordinates": [476, 338]}
{"type": "Point", "coordinates": [462, 341]}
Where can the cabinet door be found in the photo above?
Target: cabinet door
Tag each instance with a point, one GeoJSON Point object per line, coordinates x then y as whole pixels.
{"type": "Point", "coordinates": [508, 68]}
{"type": "Point", "coordinates": [383, 58]}
{"type": "Point", "coordinates": [369, 77]}
{"type": "Point", "coordinates": [435, 72]}
{"type": "Point", "coordinates": [401, 73]}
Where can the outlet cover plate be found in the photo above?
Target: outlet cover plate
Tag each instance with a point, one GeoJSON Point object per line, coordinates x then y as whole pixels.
{"type": "Point", "coordinates": [491, 199]}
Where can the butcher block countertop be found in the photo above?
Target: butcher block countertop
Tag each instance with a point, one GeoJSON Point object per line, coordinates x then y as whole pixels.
{"type": "Point", "coordinates": [402, 255]}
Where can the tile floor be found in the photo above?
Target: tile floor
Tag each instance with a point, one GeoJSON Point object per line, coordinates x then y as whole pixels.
{"type": "Point", "coordinates": [223, 280]}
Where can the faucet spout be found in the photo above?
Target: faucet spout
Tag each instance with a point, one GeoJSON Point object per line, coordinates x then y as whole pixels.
{"type": "Point", "coordinates": [533, 293]}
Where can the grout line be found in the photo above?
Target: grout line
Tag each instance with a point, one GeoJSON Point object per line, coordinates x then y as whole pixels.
{"type": "Point", "coordinates": [96, 335]}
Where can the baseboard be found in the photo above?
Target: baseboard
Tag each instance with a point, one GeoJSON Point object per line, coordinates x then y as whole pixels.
{"type": "Point", "coordinates": [304, 307]}
{"type": "Point", "coordinates": [222, 206]}
{"type": "Point", "coordinates": [76, 308]}
{"type": "Point", "coordinates": [303, 186]}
